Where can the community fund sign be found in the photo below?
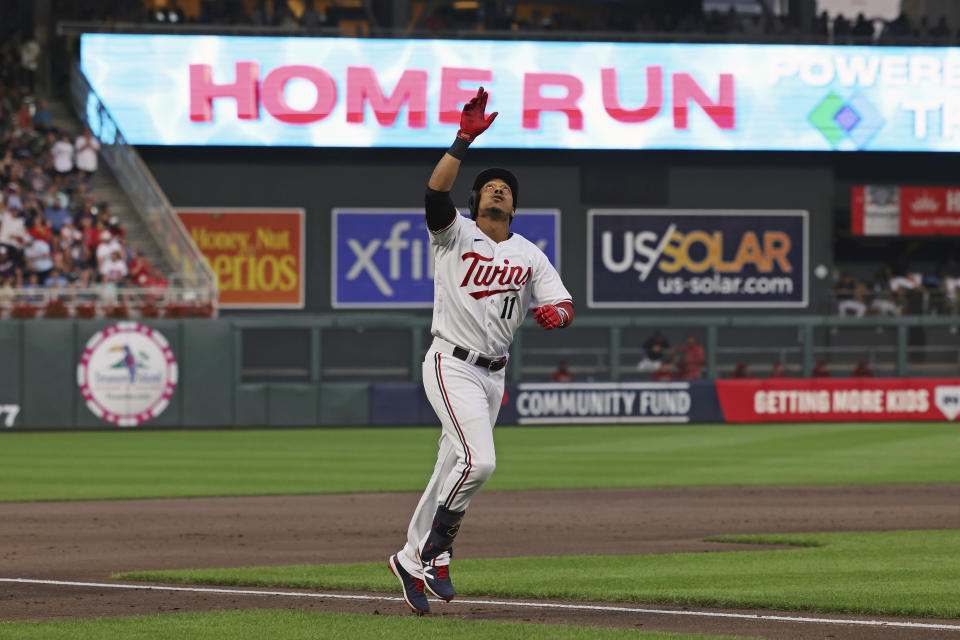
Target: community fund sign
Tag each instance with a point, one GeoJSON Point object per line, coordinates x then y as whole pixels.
{"type": "Point", "coordinates": [257, 254]}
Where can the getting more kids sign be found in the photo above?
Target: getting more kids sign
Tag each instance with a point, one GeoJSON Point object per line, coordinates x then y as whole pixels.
{"type": "Point", "coordinates": [257, 254]}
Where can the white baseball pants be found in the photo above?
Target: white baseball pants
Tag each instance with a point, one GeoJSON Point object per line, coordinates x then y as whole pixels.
{"type": "Point", "coordinates": [467, 399]}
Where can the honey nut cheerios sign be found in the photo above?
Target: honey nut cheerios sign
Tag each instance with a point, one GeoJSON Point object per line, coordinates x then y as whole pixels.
{"type": "Point", "coordinates": [257, 254]}
{"type": "Point", "coordinates": [127, 374]}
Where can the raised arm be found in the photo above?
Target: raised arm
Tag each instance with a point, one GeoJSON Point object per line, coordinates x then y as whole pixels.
{"type": "Point", "coordinates": [439, 206]}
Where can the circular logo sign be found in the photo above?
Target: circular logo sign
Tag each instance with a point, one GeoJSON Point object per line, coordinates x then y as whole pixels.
{"type": "Point", "coordinates": [127, 374]}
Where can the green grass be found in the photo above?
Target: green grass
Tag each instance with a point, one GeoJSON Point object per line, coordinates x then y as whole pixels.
{"type": "Point", "coordinates": [303, 625]}
{"type": "Point", "coordinates": [897, 573]}
{"type": "Point", "coordinates": [141, 464]}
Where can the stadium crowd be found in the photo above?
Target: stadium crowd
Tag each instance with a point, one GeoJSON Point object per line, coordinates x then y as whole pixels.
{"type": "Point", "coordinates": [679, 18]}
{"type": "Point", "coordinates": [896, 293]}
{"type": "Point", "coordinates": [54, 231]}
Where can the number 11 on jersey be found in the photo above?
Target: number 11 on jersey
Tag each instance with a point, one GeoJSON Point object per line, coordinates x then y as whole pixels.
{"type": "Point", "coordinates": [508, 304]}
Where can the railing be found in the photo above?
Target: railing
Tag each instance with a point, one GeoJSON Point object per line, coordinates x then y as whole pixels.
{"type": "Point", "coordinates": [103, 300]}
{"type": "Point", "coordinates": [900, 303]}
{"type": "Point", "coordinates": [612, 354]}
{"type": "Point", "coordinates": [148, 199]}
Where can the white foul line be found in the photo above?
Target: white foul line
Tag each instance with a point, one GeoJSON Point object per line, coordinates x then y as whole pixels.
{"type": "Point", "coordinates": [505, 603]}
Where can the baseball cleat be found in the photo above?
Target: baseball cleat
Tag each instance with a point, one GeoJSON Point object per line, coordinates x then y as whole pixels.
{"type": "Point", "coordinates": [437, 580]}
{"type": "Point", "coordinates": [412, 587]}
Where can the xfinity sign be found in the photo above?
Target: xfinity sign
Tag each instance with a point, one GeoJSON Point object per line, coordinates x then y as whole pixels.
{"type": "Point", "coordinates": [383, 257]}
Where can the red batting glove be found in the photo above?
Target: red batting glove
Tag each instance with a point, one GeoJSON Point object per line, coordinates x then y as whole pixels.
{"type": "Point", "coordinates": [472, 120]}
{"type": "Point", "coordinates": [550, 316]}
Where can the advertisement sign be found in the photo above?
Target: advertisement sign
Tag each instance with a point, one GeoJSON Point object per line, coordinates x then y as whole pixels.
{"type": "Point", "coordinates": [349, 92]}
{"type": "Point", "coordinates": [883, 210]}
{"type": "Point", "coordinates": [661, 258]}
{"type": "Point", "coordinates": [847, 400]}
{"type": "Point", "coordinates": [611, 403]}
{"type": "Point", "coordinates": [383, 257]}
{"type": "Point", "coordinates": [256, 254]}
{"type": "Point", "coordinates": [127, 374]}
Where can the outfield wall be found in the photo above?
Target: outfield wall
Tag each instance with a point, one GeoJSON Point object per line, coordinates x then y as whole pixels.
{"type": "Point", "coordinates": [183, 373]}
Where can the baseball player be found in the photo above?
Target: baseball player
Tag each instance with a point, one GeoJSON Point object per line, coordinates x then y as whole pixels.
{"type": "Point", "coordinates": [485, 279]}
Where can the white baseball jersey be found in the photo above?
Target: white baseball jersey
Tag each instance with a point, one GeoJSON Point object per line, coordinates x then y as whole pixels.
{"type": "Point", "coordinates": [483, 289]}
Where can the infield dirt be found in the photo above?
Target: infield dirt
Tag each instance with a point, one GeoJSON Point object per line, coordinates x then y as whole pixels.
{"type": "Point", "coordinates": [89, 540]}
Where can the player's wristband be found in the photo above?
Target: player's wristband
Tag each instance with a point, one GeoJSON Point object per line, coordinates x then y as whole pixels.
{"type": "Point", "coordinates": [459, 148]}
{"type": "Point", "coordinates": [564, 317]}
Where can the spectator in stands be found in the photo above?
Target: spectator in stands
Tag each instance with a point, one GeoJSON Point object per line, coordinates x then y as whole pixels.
{"type": "Point", "coordinates": [37, 257]}
{"type": "Point", "coordinates": [29, 62]}
{"type": "Point", "coordinates": [32, 281]}
{"type": "Point", "coordinates": [863, 29]}
{"type": "Point", "coordinates": [140, 269]}
{"type": "Point", "coordinates": [655, 349]}
{"type": "Point", "coordinates": [886, 301]}
{"type": "Point", "coordinates": [84, 282]}
{"type": "Point", "coordinates": [898, 28]}
{"type": "Point", "coordinates": [663, 372]}
{"type": "Point", "coordinates": [157, 279]}
{"type": "Point", "coordinates": [562, 374]}
{"type": "Point", "coordinates": [42, 118]}
{"type": "Point", "coordinates": [8, 265]}
{"type": "Point", "coordinates": [13, 229]}
{"type": "Point", "coordinates": [311, 18]}
{"type": "Point", "coordinates": [115, 229]}
{"type": "Point", "coordinates": [694, 357]}
{"type": "Point", "coordinates": [39, 181]}
{"type": "Point", "coordinates": [778, 370]}
{"type": "Point", "coordinates": [820, 370]}
{"type": "Point", "coordinates": [950, 285]}
{"type": "Point", "coordinates": [841, 29]}
{"type": "Point", "coordinates": [40, 228]}
{"type": "Point", "coordinates": [12, 196]}
{"type": "Point", "coordinates": [55, 279]}
{"type": "Point", "coordinates": [87, 149]}
{"type": "Point", "coordinates": [862, 370]}
{"type": "Point", "coordinates": [85, 209]}
{"type": "Point", "coordinates": [113, 268]}
{"type": "Point", "coordinates": [283, 16]}
{"type": "Point", "coordinates": [57, 212]}
{"type": "Point", "coordinates": [63, 248]}
{"type": "Point", "coordinates": [907, 290]}
{"type": "Point", "coordinates": [922, 33]}
{"type": "Point", "coordinates": [62, 155]}
{"type": "Point", "coordinates": [741, 371]}
{"type": "Point", "coordinates": [941, 31]}
{"type": "Point", "coordinates": [847, 302]}
{"type": "Point", "coordinates": [90, 238]}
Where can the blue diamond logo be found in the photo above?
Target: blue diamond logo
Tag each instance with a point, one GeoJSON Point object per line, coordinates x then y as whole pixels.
{"type": "Point", "coordinates": [855, 119]}
{"type": "Point", "coordinates": [871, 121]}
{"type": "Point", "coordinates": [847, 118]}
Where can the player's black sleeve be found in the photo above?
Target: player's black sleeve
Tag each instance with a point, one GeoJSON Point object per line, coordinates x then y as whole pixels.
{"type": "Point", "coordinates": [440, 209]}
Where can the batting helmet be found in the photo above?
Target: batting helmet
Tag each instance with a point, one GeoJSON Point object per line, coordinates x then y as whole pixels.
{"type": "Point", "coordinates": [483, 178]}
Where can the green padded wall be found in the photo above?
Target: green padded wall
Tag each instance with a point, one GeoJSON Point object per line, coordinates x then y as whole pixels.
{"type": "Point", "coordinates": [49, 374]}
{"type": "Point", "coordinates": [344, 403]}
{"type": "Point", "coordinates": [206, 373]}
{"type": "Point", "coordinates": [10, 366]}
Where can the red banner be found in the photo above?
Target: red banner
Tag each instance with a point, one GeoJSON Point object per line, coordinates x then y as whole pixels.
{"type": "Point", "coordinates": [840, 400]}
{"type": "Point", "coordinates": [911, 211]}
{"type": "Point", "coordinates": [257, 254]}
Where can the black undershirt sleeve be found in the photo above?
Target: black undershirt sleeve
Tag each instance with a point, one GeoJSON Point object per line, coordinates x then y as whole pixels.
{"type": "Point", "coordinates": [440, 209]}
